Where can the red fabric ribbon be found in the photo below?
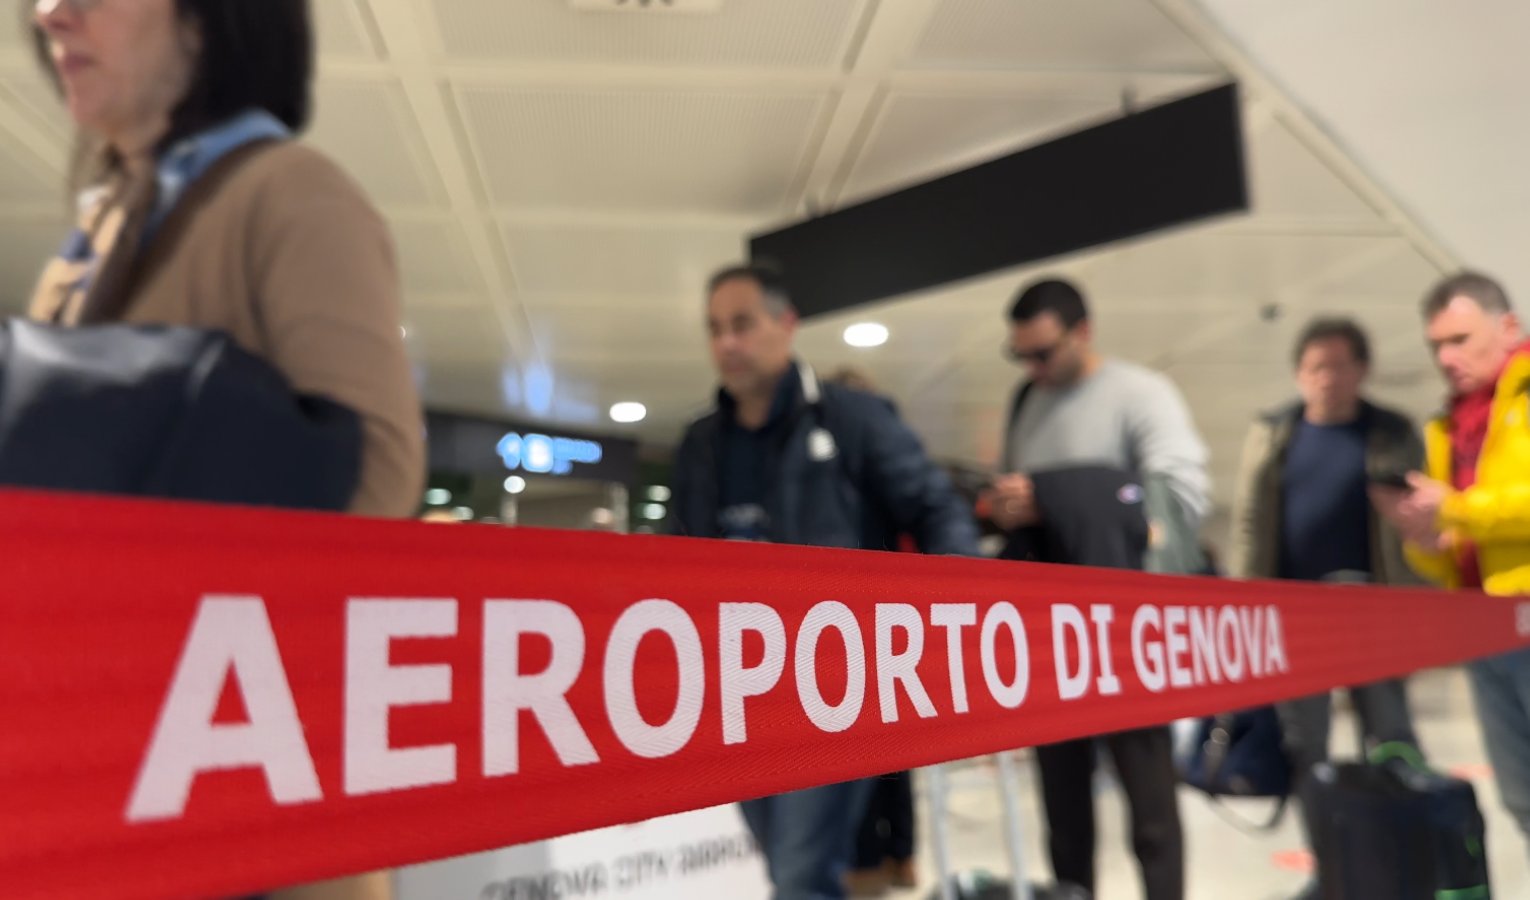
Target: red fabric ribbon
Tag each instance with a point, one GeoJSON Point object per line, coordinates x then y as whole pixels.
{"type": "Point", "coordinates": [208, 702]}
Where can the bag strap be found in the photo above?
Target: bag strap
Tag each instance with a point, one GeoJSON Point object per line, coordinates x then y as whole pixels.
{"type": "Point", "coordinates": [1250, 827]}
{"type": "Point", "coordinates": [131, 259]}
{"type": "Point", "coordinates": [1009, 424]}
{"type": "Point", "coordinates": [1216, 748]}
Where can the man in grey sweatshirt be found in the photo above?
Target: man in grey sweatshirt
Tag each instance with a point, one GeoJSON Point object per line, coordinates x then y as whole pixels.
{"type": "Point", "coordinates": [1077, 408]}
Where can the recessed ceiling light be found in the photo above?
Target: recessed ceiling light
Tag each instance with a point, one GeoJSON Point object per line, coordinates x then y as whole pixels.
{"type": "Point", "coordinates": [628, 413]}
{"type": "Point", "coordinates": [866, 334]}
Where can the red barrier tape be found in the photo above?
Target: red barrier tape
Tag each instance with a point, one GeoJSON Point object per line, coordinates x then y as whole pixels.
{"type": "Point", "coordinates": [204, 702]}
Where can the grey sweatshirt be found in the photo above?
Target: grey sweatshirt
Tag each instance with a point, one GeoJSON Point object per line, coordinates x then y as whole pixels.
{"type": "Point", "coordinates": [1123, 415]}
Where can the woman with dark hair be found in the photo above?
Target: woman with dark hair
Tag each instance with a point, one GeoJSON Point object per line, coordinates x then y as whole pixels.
{"type": "Point", "coordinates": [198, 209]}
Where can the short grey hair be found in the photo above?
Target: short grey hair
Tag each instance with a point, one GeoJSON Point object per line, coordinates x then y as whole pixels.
{"type": "Point", "coordinates": [778, 300]}
{"type": "Point", "coordinates": [1479, 288]}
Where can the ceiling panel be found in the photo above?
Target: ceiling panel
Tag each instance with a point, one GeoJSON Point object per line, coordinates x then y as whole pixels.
{"type": "Point", "coordinates": [618, 260]}
{"type": "Point", "coordinates": [1216, 264]}
{"type": "Point", "coordinates": [1049, 34]}
{"type": "Point", "coordinates": [581, 329]}
{"type": "Point", "coordinates": [798, 33]}
{"type": "Point", "coordinates": [433, 257]}
{"type": "Point", "coordinates": [453, 336]}
{"type": "Point", "coordinates": [1428, 98]}
{"type": "Point", "coordinates": [683, 150]}
{"type": "Point", "coordinates": [919, 337]}
{"type": "Point", "coordinates": [368, 125]}
{"type": "Point", "coordinates": [1287, 179]}
{"type": "Point", "coordinates": [1396, 275]}
{"type": "Point", "coordinates": [342, 28]}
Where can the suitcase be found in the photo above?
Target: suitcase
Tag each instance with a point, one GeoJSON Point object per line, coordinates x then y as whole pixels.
{"type": "Point", "coordinates": [977, 884]}
{"type": "Point", "coordinates": [1393, 829]}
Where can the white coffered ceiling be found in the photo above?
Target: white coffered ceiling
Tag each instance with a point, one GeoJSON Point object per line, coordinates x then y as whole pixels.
{"type": "Point", "coordinates": [561, 182]}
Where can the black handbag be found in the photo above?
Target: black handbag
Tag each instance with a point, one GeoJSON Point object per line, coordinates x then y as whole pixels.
{"type": "Point", "coordinates": [1241, 754]}
{"type": "Point", "coordinates": [170, 412]}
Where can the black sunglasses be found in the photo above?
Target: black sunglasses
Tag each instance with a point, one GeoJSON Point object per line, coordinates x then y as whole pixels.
{"type": "Point", "coordinates": [1038, 356]}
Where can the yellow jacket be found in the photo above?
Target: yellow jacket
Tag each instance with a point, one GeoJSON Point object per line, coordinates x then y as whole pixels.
{"type": "Point", "coordinates": [1495, 512]}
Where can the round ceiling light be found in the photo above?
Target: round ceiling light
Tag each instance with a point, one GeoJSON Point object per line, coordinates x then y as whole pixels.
{"type": "Point", "coordinates": [866, 334]}
{"type": "Point", "coordinates": [627, 413]}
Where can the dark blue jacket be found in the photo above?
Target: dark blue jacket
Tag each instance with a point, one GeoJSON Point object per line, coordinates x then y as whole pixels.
{"type": "Point", "coordinates": [846, 473]}
{"type": "Point", "coordinates": [158, 411]}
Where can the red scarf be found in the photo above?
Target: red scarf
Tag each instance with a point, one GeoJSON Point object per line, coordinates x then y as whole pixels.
{"type": "Point", "coordinates": [1470, 415]}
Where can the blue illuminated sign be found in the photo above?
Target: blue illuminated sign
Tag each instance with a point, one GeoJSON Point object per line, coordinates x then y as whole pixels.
{"type": "Point", "coordinates": [543, 455]}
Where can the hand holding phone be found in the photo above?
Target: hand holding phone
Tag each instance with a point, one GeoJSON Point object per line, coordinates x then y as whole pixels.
{"type": "Point", "coordinates": [1397, 480]}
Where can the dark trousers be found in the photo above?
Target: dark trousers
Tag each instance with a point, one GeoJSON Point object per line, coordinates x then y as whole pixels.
{"type": "Point", "coordinates": [1144, 762]}
{"type": "Point", "coordinates": [887, 831]}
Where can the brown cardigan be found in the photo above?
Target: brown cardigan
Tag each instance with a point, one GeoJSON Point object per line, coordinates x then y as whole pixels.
{"type": "Point", "coordinates": [280, 249]}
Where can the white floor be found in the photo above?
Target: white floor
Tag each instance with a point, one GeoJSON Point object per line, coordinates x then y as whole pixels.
{"type": "Point", "coordinates": [1224, 862]}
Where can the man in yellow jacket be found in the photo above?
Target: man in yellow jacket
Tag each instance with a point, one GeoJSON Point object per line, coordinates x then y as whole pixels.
{"type": "Point", "coordinates": [1467, 522]}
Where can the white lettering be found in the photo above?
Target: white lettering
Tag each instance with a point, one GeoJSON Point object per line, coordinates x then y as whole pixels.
{"type": "Point", "coordinates": [739, 682]}
{"type": "Point", "coordinates": [1011, 695]}
{"type": "Point", "coordinates": [373, 687]}
{"type": "Point", "coordinates": [1179, 644]}
{"type": "Point", "coordinates": [1065, 618]}
{"type": "Point", "coordinates": [1147, 653]}
{"type": "Point", "coordinates": [1203, 645]}
{"type": "Point", "coordinates": [230, 637]}
{"type": "Point", "coordinates": [1253, 643]}
{"type": "Point", "coordinates": [1275, 646]}
{"type": "Point", "coordinates": [953, 617]}
{"type": "Point", "coordinates": [1228, 644]}
{"type": "Point", "coordinates": [507, 691]}
{"type": "Point", "coordinates": [1108, 684]}
{"type": "Point", "coordinates": [900, 668]}
{"type": "Point", "coordinates": [831, 614]}
{"type": "Point", "coordinates": [643, 739]}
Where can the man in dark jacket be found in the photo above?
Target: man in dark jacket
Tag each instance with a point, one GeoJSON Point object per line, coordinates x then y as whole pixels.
{"type": "Point", "coordinates": [786, 459]}
{"type": "Point", "coordinates": [1301, 511]}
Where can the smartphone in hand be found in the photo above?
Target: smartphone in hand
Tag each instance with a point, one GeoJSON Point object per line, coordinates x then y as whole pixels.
{"type": "Point", "coordinates": [1397, 480]}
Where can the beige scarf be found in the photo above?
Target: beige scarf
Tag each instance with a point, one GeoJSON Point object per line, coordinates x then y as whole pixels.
{"type": "Point", "coordinates": [97, 287]}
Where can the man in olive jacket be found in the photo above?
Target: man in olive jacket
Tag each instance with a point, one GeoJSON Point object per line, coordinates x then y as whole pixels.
{"type": "Point", "coordinates": [1302, 511]}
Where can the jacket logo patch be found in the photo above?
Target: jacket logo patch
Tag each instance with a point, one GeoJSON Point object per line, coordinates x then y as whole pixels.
{"type": "Point", "coordinates": [821, 445]}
